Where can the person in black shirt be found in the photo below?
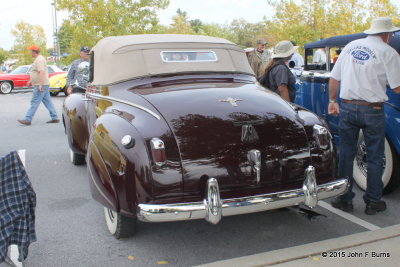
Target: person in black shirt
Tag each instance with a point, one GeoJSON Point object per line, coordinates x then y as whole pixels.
{"type": "Point", "coordinates": [277, 76]}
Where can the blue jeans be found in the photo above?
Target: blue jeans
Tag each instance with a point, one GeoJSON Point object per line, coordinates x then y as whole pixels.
{"type": "Point", "coordinates": [371, 121]}
{"type": "Point", "coordinates": [38, 97]}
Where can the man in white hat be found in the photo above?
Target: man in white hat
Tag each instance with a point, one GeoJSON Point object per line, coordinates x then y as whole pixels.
{"type": "Point", "coordinates": [363, 69]}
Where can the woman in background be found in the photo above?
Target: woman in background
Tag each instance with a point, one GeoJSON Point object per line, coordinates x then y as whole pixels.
{"type": "Point", "coordinates": [277, 76]}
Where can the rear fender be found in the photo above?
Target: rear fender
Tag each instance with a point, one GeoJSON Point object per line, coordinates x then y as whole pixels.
{"type": "Point", "coordinates": [324, 161]}
{"type": "Point", "coordinates": [167, 181]}
{"type": "Point", "coordinates": [75, 123]}
{"type": "Point", "coordinates": [120, 177]}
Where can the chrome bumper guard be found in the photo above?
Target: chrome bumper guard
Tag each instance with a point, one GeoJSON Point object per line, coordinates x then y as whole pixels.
{"type": "Point", "coordinates": [213, 208]}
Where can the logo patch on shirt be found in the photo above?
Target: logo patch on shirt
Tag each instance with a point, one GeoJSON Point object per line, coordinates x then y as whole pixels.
{"type": "Point", "coordinates": [360, 55]}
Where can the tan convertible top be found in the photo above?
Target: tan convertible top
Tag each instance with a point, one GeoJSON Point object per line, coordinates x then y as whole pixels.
{"type": "Point", "coordinates": [121, 58]}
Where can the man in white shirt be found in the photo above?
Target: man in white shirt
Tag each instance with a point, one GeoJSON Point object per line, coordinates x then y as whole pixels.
{"type": "Point", "coordinates": [320, 56]}
{"type": "Point", "coordinates": [363, 69]}
{"type": "Point", "coordinates": [297, 58]}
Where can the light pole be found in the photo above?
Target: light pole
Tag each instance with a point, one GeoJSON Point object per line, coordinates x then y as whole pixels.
{"type": "Point", "coordinates": [55, 34]}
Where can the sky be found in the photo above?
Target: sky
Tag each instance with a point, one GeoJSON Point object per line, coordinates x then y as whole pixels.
{"type": "Point", "coordinates": [39, 12]}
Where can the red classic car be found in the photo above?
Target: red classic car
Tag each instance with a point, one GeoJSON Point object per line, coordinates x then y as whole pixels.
{"type": "Point", "coordinates": [19, 78]}
{"type": "Point", "coordinates": [176, 127]}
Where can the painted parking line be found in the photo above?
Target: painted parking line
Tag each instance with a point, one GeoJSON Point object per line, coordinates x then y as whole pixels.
{"type": "Point", "coordinates": [349, 216]}
{"type": "Point", "coordinates": [13, 254]}
{"type": "Point", "coordinates": [21, 154]}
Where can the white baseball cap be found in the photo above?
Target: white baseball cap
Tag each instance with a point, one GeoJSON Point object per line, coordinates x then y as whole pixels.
{"type": "Point", "coordinates": [381, 25]}
{"type": "Point", "coordinates": [284, 49]}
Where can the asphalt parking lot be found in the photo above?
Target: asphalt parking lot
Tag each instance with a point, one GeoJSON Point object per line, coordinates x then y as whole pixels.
{"type": "Point", "coordinates": [70, 225]}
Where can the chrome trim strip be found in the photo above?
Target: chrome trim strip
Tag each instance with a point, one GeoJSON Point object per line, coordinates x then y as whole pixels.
{"type": "Point", "coordinates": [97, 96]}
{"type": "Point", "coordinates": [236, 206]}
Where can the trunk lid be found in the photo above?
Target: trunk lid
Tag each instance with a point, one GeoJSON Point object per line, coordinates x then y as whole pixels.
{"type": "Point", "coordinates": [217, 125]}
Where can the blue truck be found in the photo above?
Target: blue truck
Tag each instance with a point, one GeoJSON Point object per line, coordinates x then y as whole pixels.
{"type": "Point", "coordinates": [313, 94]}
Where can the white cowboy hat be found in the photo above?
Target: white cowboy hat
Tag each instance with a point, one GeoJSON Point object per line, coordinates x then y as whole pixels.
{"type": "Point", "coordinates": [381, 25]}
{"type": "Point", "coordinates": [284, 49]}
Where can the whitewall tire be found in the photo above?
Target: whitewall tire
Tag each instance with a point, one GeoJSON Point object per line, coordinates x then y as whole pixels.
{"type": "Point", "coordinates": [5, 87]}
{"type": "Point", "coordinates": [119, 226]}
{"type": "Point", "coordinates": [111, 220]}
{"type": "Point", "coordinates": [76, 159]}
{"type": "Point", "coordinates": [390, 178]}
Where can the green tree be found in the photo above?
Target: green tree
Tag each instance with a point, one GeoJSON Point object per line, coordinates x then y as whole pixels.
{"type": "Point", "coordinates": [196, 25]}
{"type": "Point", "coordinates": [217, 30]}
{"type": "Point", "coordinates": [26, 35]}
{"type": "Point", "coordinates": [384, 8]}
{"type": "Point", "coordinates": [65, 36]}
{"type": "Point", "coordinates": [245, 33]}
{"type": "Point", "coordinates": [182, 14]}
{"type": "Point", "coordinates": [95, 19]}
{"type": "Point", "coordinates": [4, 54]}
{"type": "Point", "coordinates": [309, 20]}
{"type": "Point", "coordinates": [301, 22]}
{"type": "Point", "coordinates": [352, 15]}
{"type": "Point", "coordinates": [180, 23]}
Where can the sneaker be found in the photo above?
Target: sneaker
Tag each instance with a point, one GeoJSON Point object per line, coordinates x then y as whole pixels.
{"type": "Point", "coordinates": [373, 207]}
{"type": "Point", "coordinates": [338, 203]}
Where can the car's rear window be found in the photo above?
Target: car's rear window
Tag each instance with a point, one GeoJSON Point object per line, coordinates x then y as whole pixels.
{"type": "Point", "coordinates": [188, 56]}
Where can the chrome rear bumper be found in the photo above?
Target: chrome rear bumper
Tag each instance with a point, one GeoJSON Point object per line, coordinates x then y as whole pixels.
{"type": "Point", "coordinates": [213, 208]}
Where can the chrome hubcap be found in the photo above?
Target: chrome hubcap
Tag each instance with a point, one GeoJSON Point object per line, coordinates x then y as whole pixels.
{"type": "Point", "coordinates": [361, 158]}
{"type": "Point", "coordinates": [6, 88]}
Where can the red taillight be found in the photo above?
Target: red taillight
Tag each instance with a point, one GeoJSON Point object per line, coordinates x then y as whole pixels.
{"type": "Point", "coordinates": [158, 151]}
{"type": "Point", "coordinates": [322, 137]}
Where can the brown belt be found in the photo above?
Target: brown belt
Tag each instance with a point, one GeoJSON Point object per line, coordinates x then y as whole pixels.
{"type": "Point", "coordinates": [363, 103]}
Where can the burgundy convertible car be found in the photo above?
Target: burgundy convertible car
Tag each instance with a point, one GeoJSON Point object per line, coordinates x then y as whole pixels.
{"type": "Point", "coordinates": [175, 127]}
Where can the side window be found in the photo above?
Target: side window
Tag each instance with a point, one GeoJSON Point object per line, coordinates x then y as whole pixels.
{"type": "Point", "coordinates": [50, 70]}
